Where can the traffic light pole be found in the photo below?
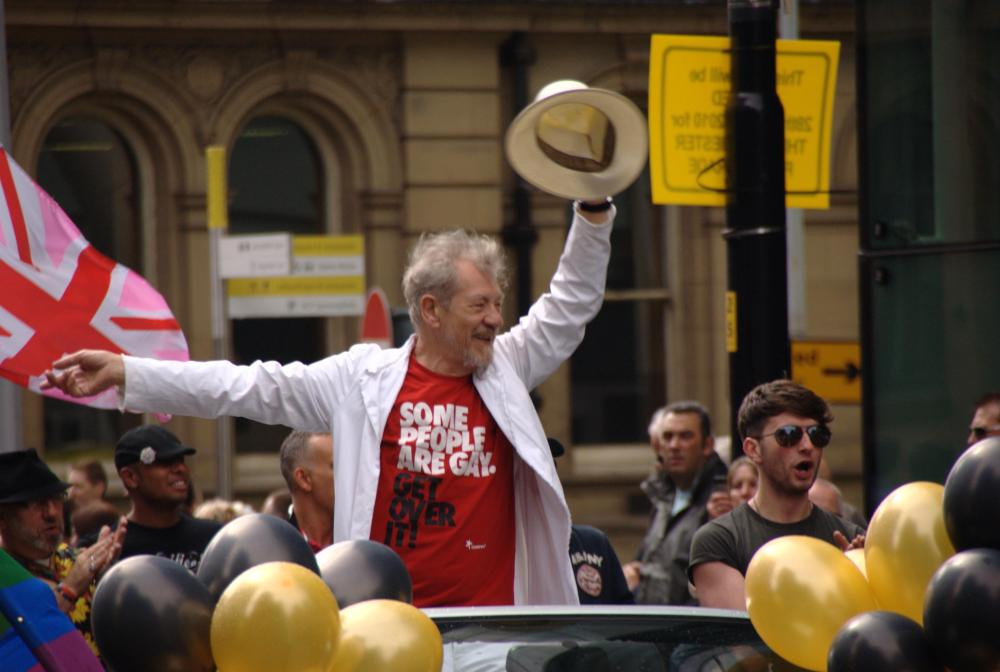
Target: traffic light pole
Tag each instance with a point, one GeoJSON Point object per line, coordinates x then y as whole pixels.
{"type": "Point", "coordinates": [757, 300]}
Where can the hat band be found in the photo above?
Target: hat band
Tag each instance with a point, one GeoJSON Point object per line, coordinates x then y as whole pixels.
{"type": "Point", "coordinates": [581, 163]}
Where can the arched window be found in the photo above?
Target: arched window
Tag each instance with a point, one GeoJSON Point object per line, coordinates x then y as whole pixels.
{"type": "Point", "coordinates": [275, 183]}
{"type": "Point", "coordinates": [89, 169]}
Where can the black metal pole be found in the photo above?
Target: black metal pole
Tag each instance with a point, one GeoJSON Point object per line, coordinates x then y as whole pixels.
{"type": "Point", "coordinates": [755, 209]}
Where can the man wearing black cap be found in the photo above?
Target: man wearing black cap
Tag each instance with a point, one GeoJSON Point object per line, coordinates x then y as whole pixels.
{"type": "Point", "coordinates": [150, 462]}
{"type": "Point", "coordinates": [31, 531]}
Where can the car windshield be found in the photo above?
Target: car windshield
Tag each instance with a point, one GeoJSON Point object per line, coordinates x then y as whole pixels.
{"type": "Point", "coordinates": [626, 640]}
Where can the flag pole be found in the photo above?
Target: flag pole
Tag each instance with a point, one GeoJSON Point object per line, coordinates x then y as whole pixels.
{"type": "Point", "coordinates": [218, 220]}
{"type": "Point", "coordinates": [11, 424]}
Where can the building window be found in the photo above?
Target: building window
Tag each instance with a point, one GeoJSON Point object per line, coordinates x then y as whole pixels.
{"type": "Point", "coordinates": [89, 169]}
{"type": "Point", "coordinates": [275, 183]}
{"type": "Point", "coordinates": [618, 373]}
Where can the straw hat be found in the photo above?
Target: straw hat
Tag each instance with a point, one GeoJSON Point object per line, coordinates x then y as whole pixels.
{"type": "Point", "coordinates": [578, 142]}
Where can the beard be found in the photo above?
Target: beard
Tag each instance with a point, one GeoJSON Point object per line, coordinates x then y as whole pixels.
{"type": "Point", "coordinates": [44, 544]}
{"type": "Point", "coordinates": [781, 477]}
{"type": "Point", "coordinates": [477, 361]}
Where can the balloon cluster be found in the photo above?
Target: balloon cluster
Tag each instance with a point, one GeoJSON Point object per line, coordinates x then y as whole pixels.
{"type": "Point", "coordinates": [261, 601]}
{"type": "Point", "coordinates": [923, 595]}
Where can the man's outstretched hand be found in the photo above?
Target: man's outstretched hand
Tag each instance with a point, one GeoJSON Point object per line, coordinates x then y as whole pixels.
{"type": "Point", "coordinates": [85, 373]}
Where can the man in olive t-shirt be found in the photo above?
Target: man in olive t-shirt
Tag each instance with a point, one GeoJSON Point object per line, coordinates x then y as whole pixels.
{"type": "Point", "coordinates": [784, 427]}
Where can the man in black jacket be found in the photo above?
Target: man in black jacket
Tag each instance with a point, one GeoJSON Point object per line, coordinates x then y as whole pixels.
{"type": "Point", "coordinates": [679, 492]}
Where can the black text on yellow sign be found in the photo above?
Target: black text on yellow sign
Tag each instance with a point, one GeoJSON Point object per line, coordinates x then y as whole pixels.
{"type": "Point", "coordinates": [831, 369]}
{"type": "Point", "coordinates": [730, 321]}
{"type": "Point", "coordinates": [688, 90]}
{"type": "Point", "coordinates": [293, 285]}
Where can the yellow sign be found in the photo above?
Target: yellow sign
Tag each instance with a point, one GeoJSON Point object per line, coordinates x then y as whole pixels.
{"type": "Point", "coordinates": [730, 321]}
{"type": "Point", "coordinates": [688, 89]}
{"type": "Point", "coordinates": [830, 369]}
{"type": "Point", "coordinates": [328, 246]}
{"type": "Point", "coordinates": [296, 285]}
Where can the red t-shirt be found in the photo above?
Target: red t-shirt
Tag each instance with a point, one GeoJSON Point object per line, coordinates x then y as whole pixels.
{"type": "Point", "coordinates": [445, 499]}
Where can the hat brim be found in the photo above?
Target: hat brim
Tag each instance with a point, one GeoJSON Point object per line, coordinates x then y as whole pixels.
{"type": "Point", "coordinates": [629, 157]}
{"type": "Point", "coordinates": [126, 459]}
{"type": "Point", "coordinates": [40, 492]}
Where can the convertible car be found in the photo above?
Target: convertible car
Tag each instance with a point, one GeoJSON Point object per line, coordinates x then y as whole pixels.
{"type": "Point", "coordinates": [602, 639]}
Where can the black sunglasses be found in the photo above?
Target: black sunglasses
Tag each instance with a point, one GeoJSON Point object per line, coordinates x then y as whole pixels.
{"type": "Point", "coordinates": [790, 435]}
{"type": "Point", "coordinates": [981, 432]}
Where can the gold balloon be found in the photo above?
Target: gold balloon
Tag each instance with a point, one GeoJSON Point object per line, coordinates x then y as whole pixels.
{"type": "Point", "coordinates": [857, 556]}
{"type": "Point", "coordinates": [800, 591]}
{"type": "Point", "coordinates": [387, 635]}
{"type": "Point", "coordinates": [275, 616]}
{"type": "Point", "coordinates": [907, 541]}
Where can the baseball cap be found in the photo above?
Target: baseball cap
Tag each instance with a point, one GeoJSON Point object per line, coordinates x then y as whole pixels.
{"type": "Point", "coordinates": [147, 444]}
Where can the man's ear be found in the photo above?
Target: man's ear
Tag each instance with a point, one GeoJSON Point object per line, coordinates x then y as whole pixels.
{"type": "Point", "coordinates": [709, 446]}
{"type": "Point", "coordinates": [302, 479]}
{"type": "Point", "coordinates": [129, 476]}
{"type": "Point", "coordinates": [751, 448]}
{"type": "Point", "coordinates": [429, 306]}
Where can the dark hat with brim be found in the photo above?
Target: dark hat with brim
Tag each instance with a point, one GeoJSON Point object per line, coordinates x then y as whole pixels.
{"type": "Point", "coordinates": [147, 444]}
{"type": "Point", "coordinates": [25, 478]}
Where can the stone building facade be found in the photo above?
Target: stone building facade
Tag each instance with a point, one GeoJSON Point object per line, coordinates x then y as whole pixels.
{"type": "Point", "coordinates": [404, 106]}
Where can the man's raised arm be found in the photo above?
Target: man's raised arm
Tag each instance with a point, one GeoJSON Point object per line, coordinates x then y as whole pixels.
{"type": "Point", "coordinates": [85, 373]}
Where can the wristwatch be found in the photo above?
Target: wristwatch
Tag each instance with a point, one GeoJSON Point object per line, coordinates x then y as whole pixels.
{"type": "Point", "coordinates": [595, 207]}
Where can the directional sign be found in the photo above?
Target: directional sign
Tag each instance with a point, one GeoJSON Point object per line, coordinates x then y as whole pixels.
{"type": "Point", "coordinates": [296, 296]}
{"type": "Point", "coordinates": [831, 369]}
{"type": "Point", "coordinates": [253, 256]}
{"type": "Point", "coordinates": [688, 89]}
{"type": "Point", "coordinates": [325, 278]}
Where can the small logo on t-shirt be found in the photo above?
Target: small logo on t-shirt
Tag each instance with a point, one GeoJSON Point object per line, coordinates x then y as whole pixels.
{"type": "Point", "coordinates": [589, 580]}
{"type": "Point", "coordinates": [470, 546]}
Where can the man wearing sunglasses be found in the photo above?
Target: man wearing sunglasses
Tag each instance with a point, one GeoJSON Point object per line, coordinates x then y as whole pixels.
{"type": "Point", "coordinates": [784, 427]}
{"type": "Point", "coordinates": [986, 419]}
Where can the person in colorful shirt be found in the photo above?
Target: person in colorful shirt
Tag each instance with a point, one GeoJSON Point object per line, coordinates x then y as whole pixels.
{"type": "Point", "coordinates": [440, 453]}
{"type": "Point", "coordinates": [31, 531]}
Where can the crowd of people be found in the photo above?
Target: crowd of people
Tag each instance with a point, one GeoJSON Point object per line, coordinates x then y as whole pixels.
{"type": "Point", "coordinates": [435, 450]}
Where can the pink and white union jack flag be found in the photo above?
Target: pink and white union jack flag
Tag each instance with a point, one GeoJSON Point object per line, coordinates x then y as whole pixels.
{"type": "Point", "coordinates": [58, 294]}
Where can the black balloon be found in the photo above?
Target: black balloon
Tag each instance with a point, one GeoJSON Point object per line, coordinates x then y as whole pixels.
{"type": "Point", "coordinates": [972, 497]}
{"type": "Point", "coordinates": [360, 570]}
{"type": "Point", "coordinates": [249, 541]}
{"type": "Point", "coordinates": [962, 611]}
{"type": "Point", "coordinates": [880, 641]}
{"type": "Point", "coordinates": [150, 614]}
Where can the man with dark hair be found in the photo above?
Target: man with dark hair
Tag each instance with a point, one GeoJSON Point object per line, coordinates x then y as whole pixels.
{"type": "Point", "coordinates": [679, 492]}
{"type": "Point", "coordinates": [440, 453]}
{"type": "Point", "coordinates": [985, 418]}
{"type": "Point", "coordinates": [31, 531]}
{"type": "Point", "coordinates": [307, 466]}
{"type": "Point", "coordinates": [150, 463]}
{"type": "Point", "coordinates": [784, 427]}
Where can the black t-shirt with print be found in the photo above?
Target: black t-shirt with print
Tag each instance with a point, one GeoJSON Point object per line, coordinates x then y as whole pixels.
{"type": "Point", "coordinates": [183, 543]}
